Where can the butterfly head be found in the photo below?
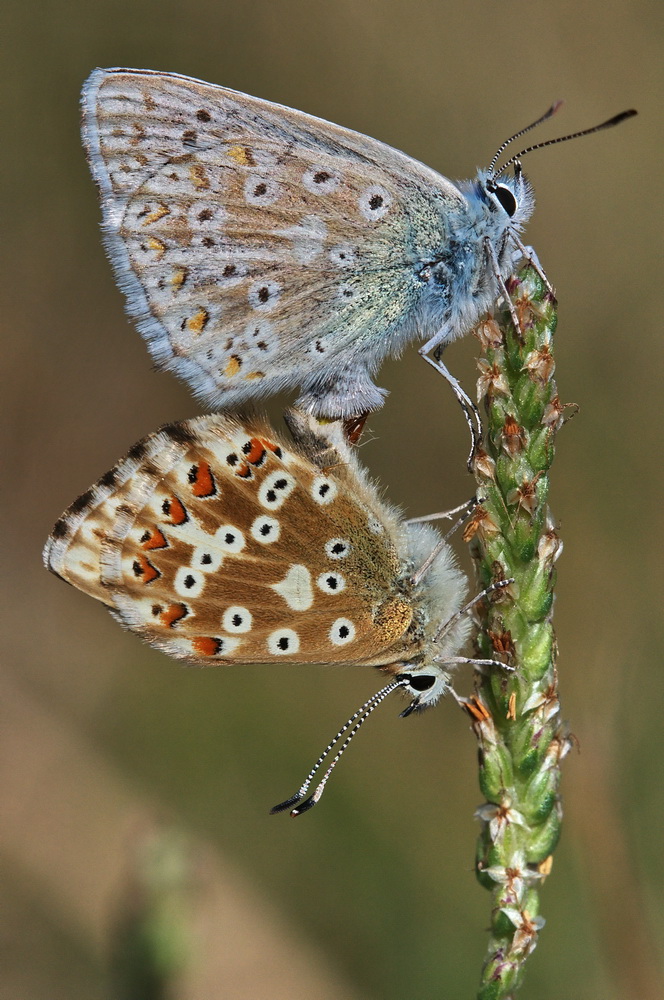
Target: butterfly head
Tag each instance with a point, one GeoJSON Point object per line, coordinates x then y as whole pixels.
{"type": "Point", "coordinates": [425, 686]}
{"type": "Point", "coordinates": [505, 203]}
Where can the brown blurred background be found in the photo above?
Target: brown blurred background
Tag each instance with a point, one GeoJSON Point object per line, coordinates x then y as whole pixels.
{"type": "Point", "coordinates": [104, 741]}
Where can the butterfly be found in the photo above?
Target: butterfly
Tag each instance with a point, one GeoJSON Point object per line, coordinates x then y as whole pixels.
{"type": "Point", "coordinates": [220, 543]}
{"type": "Point", "coordinates": [261, 248]}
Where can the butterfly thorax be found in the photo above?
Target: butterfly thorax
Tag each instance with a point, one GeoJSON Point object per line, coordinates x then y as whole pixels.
{"type": "Point", "coordinates": [433, 601]}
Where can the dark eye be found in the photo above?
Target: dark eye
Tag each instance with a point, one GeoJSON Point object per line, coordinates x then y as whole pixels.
{"type": "Point", "coordinates": [420, 682]}
{"type": "Point", "coordinates": [506, 199]}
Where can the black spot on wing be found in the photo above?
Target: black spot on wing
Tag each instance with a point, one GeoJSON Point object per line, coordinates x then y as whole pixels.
{"type": "Point", "coordinates": [179, 432]}
{"type": "Point", "coordinates": [80, 504]}
{"type": "Point", "coordinates": [60, 529]}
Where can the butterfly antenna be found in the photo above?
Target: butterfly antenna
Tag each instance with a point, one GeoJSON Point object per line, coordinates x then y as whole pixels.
{"type": "Point", "coordinates": [616, 120]}
{"type": "Point", "coordinates": [356, 721]}
{"type": "Point", "coordinates": [517, 135]}
{"type": "Point", "coordinates": [446, 626]}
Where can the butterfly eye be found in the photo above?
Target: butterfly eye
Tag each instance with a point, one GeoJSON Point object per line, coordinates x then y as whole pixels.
{"type": "Point", "coordinates": [506, 199]}
{"type": "Point", "coordinates": [421, 682]}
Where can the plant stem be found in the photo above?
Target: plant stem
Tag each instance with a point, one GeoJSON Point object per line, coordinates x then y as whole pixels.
{"type": "Point", "coordinates": [515, 712]}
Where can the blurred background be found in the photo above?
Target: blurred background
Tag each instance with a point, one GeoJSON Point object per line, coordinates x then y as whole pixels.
{"type": "Point", "coordinates": [135, 793]}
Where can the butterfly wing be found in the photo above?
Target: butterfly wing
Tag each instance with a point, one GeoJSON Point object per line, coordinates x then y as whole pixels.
{"type": "Point", "coordinates": [259, 247]}
{"type": "Point", "coordinates": [216, 542]}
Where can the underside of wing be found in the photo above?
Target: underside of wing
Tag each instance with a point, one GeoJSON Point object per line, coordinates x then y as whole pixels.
{"type": "Point", "coordinates": [217, 542]}
{"type": "Point", "coordinates": [257, 246]}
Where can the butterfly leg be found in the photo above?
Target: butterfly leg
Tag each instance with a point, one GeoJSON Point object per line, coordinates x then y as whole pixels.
{"type": "Point", "coordinates": [475, 662]}
{"type": "Point", "coordinates": [468, 508]}
{"type": "Point", "coordinates": [500, 281]}
{"type": "Point", "coordinates": [470, 411]}
{"type": "Point", "coordinates": [529, 254]}
{"type": "Point", "coordinates": [491, 589]}
{"type": "Point", "coordinates": [468, 505]}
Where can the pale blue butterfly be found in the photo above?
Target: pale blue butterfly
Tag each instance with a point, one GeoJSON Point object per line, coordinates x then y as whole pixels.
{"type": "Point", "coordinates": [262, 249]}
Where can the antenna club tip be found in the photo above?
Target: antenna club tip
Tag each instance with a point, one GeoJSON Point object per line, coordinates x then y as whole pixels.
{"type": "Point", "coordinates": [304, 807]}
{"type": "Point", "coordinates": [283, 806]}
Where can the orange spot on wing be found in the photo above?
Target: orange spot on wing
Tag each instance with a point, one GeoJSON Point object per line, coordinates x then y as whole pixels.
{"type": "Point", "coordinates": [206, 645]}
{"type": "Point", "coordinates": [155, 216]}
{"type": "Point", "coordinates": [143, 568]}
{"type": "Point", "coordinates": [271, 446]}
{"type": "Point", "coordinates": [252, 376]}
{"type": "Point", "coordinates": [242, 156]}
{"type": "Point", "coordinates": [155, 540]}
{"type": "Point", "coordinates": [158, 247]}
{"type": "Point", "coordinates": [198, 321]}
{"type": "Point", "coordinates": [203, 485]}
{"type": "Point", "coordinates": [198, 176]}
{"type": "Point", "coordinates": [173, 614]}
{"type": "Point", "coordinates": [178, 277]}
{"type": "Point", "coordinates": [256, 451]}
{"type": "Point", "coordinates": [176, 512]}
{"type": "Point", "coordinates": [233, 366]}
{"type": "Point", "coordinates": [243, 471]}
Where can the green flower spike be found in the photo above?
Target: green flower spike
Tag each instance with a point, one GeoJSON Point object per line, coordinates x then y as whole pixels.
{"type": "Point", "coordinates": [515, 712]}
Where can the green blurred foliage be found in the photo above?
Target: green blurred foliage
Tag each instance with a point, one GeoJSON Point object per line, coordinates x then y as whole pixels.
{"type": "Point", "coordinates": [378, 878]}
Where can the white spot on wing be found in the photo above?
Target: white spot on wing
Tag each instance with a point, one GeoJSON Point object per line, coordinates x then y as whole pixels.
{"type": "Point", "coordinates": [206, 216]}
{"type": "Point", "coordinates": [229, 539]}
{"type": "Point", "coordinates": [207, 558]}
{"type": "Point", "coordinates": [261, 190]}
{"type": "Point", "coordinates": [324, 490]}
{"type": "Point", "coordinates": [308, 237]}
{"type": "Point", "coordinates": [375, 202]}
{"type": "Point", "coordinates": [264, 295]}
{"type": "Point", "coordinates": [188, 582]}
{"type": "Point", "coordinates": [274, 489]}
{"type": "Point", "coordinates": [266, 530]}
{"type": "Point", "coordinates": [237, 619]}
{"type": "Point", "coordinates": [342, 255]}
{"type": "Point", "coordinates": [295, 588]}
{"type": "Point", "coordinates": [341, 632]}
{"type": "Point", "coordinates": [283, 642]}
{"type": "Point", "coordinates": [331, 583]}
{"type": "Point", "coordinates": [259, 336]}
{"type": "Point", "coordinates": [320, 180]}
{"type": "Point", "coordinates": [337, 548]}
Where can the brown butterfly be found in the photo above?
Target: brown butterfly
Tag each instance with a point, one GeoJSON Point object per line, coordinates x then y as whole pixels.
{"type": "Point", "coordinates": [220, 543]}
